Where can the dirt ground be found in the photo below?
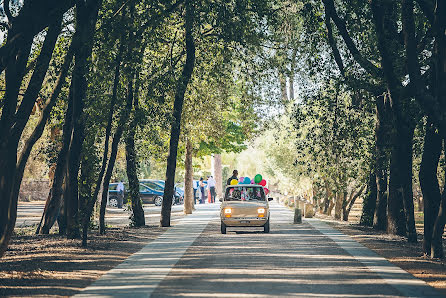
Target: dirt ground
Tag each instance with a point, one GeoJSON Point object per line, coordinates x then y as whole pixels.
{"type": "Point", "coordinates": [408, 256]}
{"type": "Point", "coordinates": [50, 265]}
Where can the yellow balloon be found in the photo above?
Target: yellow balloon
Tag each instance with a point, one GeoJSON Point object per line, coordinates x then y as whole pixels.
{"type": "Point", "coordinates": [234, 182]}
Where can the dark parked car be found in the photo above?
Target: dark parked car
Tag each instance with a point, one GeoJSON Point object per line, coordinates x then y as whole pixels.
{"type": "Point", "coordinates": [148, 195]}
{"type": "Point", "coordinates": [159, 185]}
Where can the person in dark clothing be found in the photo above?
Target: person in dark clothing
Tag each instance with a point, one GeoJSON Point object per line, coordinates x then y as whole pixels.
{"type": "Point", "coordinates": [202, 199]}
{"type": "Point", "coordinates": [234, 176]}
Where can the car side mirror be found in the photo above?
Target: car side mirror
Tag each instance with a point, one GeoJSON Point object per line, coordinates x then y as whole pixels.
{"type": "Point", "coordinates": [221, 200]}
{"type": "Point", "coordinates": [270, 199]}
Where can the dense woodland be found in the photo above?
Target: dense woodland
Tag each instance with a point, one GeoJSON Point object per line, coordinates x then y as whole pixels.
{"type": "Point", "coordinates": [337, 99]}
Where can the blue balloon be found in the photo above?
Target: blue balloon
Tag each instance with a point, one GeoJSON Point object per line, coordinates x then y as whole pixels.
{"type": "Point", "coordinates": [247, 180]}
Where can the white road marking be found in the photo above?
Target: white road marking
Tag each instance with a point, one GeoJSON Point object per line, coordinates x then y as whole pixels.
{"type": "Point", "coordinates": [401, 280]}
{"type": "Point", "coordinates": [141, 273]}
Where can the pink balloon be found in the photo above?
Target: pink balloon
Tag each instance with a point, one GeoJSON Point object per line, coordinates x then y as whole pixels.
{"type": "Point", "coordinates": [266, 190]}
{"type": "Point", "coordinates": [241, 179]}
{"type": "Point", "coordinates": [252, 181]}
{"type": "Point", "coordinates": [263, 182]}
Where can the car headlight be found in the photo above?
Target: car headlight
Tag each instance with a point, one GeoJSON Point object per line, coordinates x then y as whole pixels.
{"type": "Point", "coordinates": [227, 212]}
{"type": "Point", "coordinates": [261, 212]}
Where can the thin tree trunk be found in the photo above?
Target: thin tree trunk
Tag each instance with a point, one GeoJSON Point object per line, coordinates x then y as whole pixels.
{"type": "Point", "coordinates": [292, 74]}
{"type": "Point", "coordinates": [188, 180]}
{"type": "Point", "coordinates": [283, 88]}
{"type": "Point", "coordinates": [55, 196]}
{"type": "Point", "coordinates": [12, 124]}
{"type": "Point", "coordinates": [38, 132]}
{"type": "Point", "coordinates": [347, 206]}
{"type": "Point", "coordinates": [429, 183]}
{"type": "Point", "coordinates": [437, 234]}
{"type": "Point", "coordinates": [176, 121]}
{"type": "Point", "coordinates": [369, 203]}
{"type": "Point", "coordinates": [86, 17]}
{"type": "Point", "coordinates": [382, 129]}
{"type": "Point", "coordinates": [138, 219]}
{"type": "Point", "coordinates": [218, 175]}
{"type": "Point", "coordinates": [108, 174]}
{"type": "Point", "coordinates": [339, 199]}
{"type": "Point", "coordinates": [405, 165]}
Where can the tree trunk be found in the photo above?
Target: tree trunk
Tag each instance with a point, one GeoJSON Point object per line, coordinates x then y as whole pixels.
{"type": "Point", "coordinates": [86, 17]}
{"type": "Point", "coordinates": [437, 234]}
{"type": "Point", "coordinates": [12, 123]}
{"type": "Point", "coordinates": [400, 184]}
{"type": "Point", "coordinates": [109, 172]}
{"type": "Point", "coordinates": [339, 199]}
{"type": "Point", "coordinates": [382, 128]}
{"type": "Point", "coordinates": [283, 88]}
{"type": "Point", "coordinates": [188, 180]}
{"type": "Point", "coordinates": [218, 175]}
{"type": "Point", "coordinates": [348, 205]}
{"type": "Point", "coordinates": [429, 183]}
{"type": "Point", "coordinates": [176, 119]}
{"type": "Point", "coordinates": [292, 73]}
{"type": "Point", "coordinates": [138, 219]}
{"type": "Point", "coordinates": [52, 204]}
{"type": "Point", "coordinates": [405, 161]}
{"type": "Point", "coordinates": [369, 203]}
{"type": "Point", "coordinates": [395, 209]}
{"type": "Point", "coordinates": [55, 196]}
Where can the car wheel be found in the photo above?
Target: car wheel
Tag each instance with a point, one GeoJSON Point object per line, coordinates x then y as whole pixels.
{"type": "Point", "coordinates": [223, 228]}
{"type": "Point", "coordinates": [158, 201]}
{"type": "Point", "coordinates": [113, 202]}
{"type": "Point", "coordinates": [266, 227]}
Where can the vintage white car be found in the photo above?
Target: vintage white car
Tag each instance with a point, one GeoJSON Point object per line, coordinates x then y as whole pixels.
{"type": "Point", "coordinates": [244, 205]}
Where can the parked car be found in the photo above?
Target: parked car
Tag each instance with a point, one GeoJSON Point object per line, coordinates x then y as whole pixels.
{"type": "Point", "coordinates": [244, 205]}
{"type": "Point", "coordinates": [148, 194]}
{"type": "Point", "coordinates": [159, 185]}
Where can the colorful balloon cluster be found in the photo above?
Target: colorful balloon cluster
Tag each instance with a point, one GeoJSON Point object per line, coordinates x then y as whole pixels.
{"type": "Point", "coordinates": [258, 179]}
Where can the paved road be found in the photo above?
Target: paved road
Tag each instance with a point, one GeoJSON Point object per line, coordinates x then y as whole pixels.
{"type": "Point", "coordinates": [29, 213]}
{"type": "Point", "coordinates": [192, 259]}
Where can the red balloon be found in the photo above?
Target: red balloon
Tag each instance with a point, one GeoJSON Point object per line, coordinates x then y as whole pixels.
{"type": "Point", "coordinates": [266, 190]}
{"type": "Point", "coordinates": [263, 182]}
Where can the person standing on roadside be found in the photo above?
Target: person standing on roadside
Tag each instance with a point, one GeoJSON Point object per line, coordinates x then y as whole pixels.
{"type": "Point", "coordinates": [211, 185]}
{"type": "Point", "coordinates": [120, 188]}
{"type": "Point", "coordinates": [234, 176]}
{"type": "Point", "coordinates": [202, 197]}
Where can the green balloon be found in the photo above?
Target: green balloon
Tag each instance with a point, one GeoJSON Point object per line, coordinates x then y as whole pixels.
{"type": "Point", "coordinates": [258, 178]}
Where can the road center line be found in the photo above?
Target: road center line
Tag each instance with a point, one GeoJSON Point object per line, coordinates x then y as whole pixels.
{"type": "Point", "coordinates": [141, 273]}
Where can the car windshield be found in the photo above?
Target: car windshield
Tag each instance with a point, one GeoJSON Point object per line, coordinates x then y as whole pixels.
{"type": "Point", "coordinates": [153, 185]}
{"type": "Point", "coordinates": [244, 193]}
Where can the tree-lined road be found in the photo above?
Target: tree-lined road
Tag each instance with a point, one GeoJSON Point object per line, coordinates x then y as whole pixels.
{"type": "Point", "coordinates": [311, 259]}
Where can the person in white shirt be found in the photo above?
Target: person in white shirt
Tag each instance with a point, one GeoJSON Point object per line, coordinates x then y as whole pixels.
{"type": "Point", "coordinates": [120, 189]}
{"type": "Point", "coordinates": [211, 185]}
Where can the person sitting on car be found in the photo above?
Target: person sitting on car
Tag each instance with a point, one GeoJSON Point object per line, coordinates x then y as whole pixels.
{"type": "Point", "coordinates": [234, 176]}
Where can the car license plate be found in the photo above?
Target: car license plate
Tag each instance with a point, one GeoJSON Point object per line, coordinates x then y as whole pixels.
{"type": "Point", "coordinates": [245, 221]}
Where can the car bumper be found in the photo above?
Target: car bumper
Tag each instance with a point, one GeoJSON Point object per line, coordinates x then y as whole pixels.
{"type": "Point", "coordinates": [245, 221]}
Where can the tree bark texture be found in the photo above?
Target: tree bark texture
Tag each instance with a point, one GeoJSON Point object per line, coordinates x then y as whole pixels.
{"type": "Point", "coordinates": [429, 183]}
{"type": "Point", "coordinates": [382, 148]}
{"type": "Point", "coordinates": [400, 184]}
{"type": "Point", "coordinates": [437, 234]}
{"type": "Point", "coordinates": [111, 163]}
{"type": "Point", "coordinates": [86, 17]}
{"type": "Point", "coordinates": [176, 119]}
{"type": "Point", "coordinates": [369, 203]}
{"type": "Point", "coordinates": [138, 219]}
{"type": "Point", "coordinates": [55, 196]}
{"type": "Point", "coordinates": [188, 180]}
{"type": "Point", "coordinates": [218, 175]}
{"type": "Point", "coordinates": [12, 124]}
